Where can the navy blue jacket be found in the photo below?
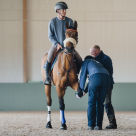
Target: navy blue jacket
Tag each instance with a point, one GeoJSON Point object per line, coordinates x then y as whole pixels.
{"type": "Point", "coordinates": [107, 63]}
{"type": "Point", "coordinates": [90, 67]}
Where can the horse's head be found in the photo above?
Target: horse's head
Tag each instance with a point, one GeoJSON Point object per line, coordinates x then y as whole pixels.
{"type": "Point", "coordinates": [71, 37]}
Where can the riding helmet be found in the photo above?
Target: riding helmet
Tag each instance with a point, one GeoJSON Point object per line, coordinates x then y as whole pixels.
{"type": "Point", "coordinates": [61, 5]}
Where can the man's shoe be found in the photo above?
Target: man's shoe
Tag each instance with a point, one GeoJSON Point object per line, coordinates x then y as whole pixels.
{"type": "Point", "coordinates": [112, 126]}
{"type": "Point", "coordinates": [97, 128]}
{"type": "Point", "coordinates": [90, 128]}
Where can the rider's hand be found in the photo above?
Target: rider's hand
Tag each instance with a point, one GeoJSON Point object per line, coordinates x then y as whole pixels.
{"type": "Point", "coordinates": [59, 47]}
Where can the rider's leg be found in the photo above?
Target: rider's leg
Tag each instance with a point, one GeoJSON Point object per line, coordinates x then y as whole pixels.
{"type": "Point", "coordinates": [48, 65]}
{"type": "Point", "coordinates": [78, 61]}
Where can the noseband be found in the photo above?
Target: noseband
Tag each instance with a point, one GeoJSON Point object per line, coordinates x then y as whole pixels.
{"type": "Point", "coordinates": [69, 49]}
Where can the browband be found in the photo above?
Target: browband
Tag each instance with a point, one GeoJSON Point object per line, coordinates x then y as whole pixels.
{"type": "Point", "coordinates": [72, 30]}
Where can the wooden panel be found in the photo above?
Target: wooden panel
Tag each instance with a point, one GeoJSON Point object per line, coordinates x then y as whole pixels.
{"type": "Point", "coordinates": [24, 41]}
{"type": "Point", "coordinates": [11, 41]}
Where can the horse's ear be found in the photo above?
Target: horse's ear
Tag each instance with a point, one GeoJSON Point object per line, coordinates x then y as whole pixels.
{"type": "Point", "coordinates": [67, 25]}
{"type": "Point", "coordinates": [75, 24]}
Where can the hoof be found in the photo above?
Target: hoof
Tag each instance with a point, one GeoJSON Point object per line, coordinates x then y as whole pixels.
{"type": "Point", "coordinates": [49, 125]}
{"type": "Point", "coordinates": [63, 127]}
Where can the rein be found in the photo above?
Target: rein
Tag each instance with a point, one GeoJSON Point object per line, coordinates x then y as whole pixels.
{"type": "Point", "coordinates": [69, 65]}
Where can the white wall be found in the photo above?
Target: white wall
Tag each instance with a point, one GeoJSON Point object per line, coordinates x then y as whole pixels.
{"type": "Point", "coordinates": [11, 41]}
{"type": "Point", "coordinates": [109, 23]}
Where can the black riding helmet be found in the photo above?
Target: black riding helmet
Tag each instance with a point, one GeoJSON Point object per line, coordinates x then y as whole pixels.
{"type": "Point", "coordinates": [61, 5]}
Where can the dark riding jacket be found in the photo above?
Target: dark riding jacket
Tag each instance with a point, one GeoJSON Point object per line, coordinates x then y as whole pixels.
{"type": "Point", "coordinates": [90, 67]}
{"type": "Point", "coordinates": [106, 61]}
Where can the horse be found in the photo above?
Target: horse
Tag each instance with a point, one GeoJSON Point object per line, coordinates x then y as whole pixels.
{"type": "Point", "coordinates": [64, 74]}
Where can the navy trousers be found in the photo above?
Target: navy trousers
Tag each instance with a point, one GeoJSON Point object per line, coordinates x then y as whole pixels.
{"type": "Point", "coordinates": [108, 106]}
{"type": "Point", "coordinates": [97, 90]}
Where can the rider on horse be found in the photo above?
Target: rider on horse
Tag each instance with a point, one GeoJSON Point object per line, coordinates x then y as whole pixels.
{"type": "Point", "coordinates": [56, 34]}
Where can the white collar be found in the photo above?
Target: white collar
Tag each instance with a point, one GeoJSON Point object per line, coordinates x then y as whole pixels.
{"type": "Point", "coordinates": [60, 19]}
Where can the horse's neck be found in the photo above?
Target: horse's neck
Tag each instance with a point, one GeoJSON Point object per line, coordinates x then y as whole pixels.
{"type": "Point", "coordinates": [68, 60]}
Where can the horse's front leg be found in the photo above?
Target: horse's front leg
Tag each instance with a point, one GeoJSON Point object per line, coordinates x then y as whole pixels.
{"type": "Point", "coordinates": [75, 86]}
{"type": "Point", "coordinates": [62, 108]}
{"type": "Point", "coordinates": [49, 102]}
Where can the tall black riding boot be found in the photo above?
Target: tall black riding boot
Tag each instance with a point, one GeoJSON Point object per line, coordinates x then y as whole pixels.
{"type": "Point", "coordinates": [47, 70]}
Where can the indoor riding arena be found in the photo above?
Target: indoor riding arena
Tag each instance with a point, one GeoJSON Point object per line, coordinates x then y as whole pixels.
{"type": "Point", "coordinates": [25, 109]}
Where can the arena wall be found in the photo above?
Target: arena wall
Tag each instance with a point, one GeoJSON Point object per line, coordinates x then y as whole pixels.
{"type": "Point", "coordinates": [31, 97]}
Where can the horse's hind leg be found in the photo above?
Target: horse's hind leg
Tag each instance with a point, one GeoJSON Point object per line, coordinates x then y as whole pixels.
{"type": "Point", "coordinates": [49, 102]}
{"type": "Point", "coordinates": [62, 108]}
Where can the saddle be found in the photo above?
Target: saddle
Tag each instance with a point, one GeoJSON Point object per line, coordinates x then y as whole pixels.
{"type": "Point", "coordinates": [54, 59]}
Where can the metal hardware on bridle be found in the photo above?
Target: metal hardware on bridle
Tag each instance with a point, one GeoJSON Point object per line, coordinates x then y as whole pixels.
{"type": "Point", "coordinates": [70, 66]}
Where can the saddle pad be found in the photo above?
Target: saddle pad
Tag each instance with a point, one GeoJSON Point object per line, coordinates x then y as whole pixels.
{"type": "Point", "coordinates": [52, 63]}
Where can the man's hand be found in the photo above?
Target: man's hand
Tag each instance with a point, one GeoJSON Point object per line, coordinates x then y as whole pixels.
{"type": "Point", "coordinates": [76, 94]}
{"type": "Point", "coordinates": [84, 93]}
{"type": "Point", "coordinates": [78, 97]}
{"type": "Point", "coordinates": [79, 94]}
{"type": "Point", "coordinates": [59, 47]}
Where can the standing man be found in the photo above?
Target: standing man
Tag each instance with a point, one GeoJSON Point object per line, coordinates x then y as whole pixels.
{"type": "Point", "coordinates": [107, 63]}
{"type": "Point", "coordinates": [97, 89]}
{"type": "Point", "coordinates": [56, 35]}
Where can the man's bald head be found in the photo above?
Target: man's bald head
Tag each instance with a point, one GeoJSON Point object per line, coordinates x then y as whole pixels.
{"type": "Point", "coordinates": [95, 51]}
{"type": "Point", "coordinates": [95, 47]}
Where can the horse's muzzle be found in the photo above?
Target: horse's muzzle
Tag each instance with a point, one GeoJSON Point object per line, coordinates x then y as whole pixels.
{"type": "Point", "coordinates": [69, 50]}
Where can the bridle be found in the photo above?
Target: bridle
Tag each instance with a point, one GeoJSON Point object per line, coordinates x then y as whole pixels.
{"type": "Point", "coordinates": [70, 64]}
{"type": "Point", "coordinates": [72, 30]}
{"type": "Point", "coordinates": [69, 51]}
